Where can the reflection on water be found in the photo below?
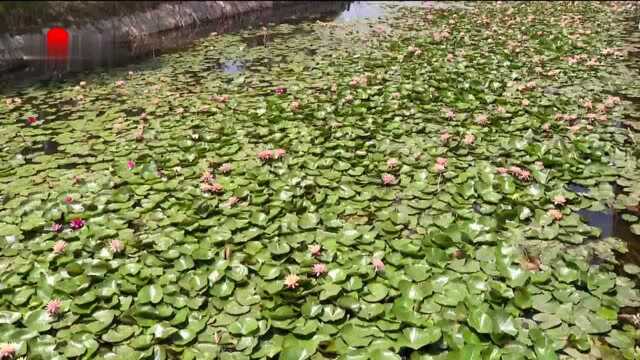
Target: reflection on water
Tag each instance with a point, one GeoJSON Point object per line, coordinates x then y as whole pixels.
{"type": "Point", "coordinates": [361, 10]}
{"type": "Point", "coordinates": [611, 224]}
{"type": "Point", "coordinates": [231, 66]}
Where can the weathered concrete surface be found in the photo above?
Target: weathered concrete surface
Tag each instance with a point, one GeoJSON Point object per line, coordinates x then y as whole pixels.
{"type": "Point", "coordinates": [165, 17]}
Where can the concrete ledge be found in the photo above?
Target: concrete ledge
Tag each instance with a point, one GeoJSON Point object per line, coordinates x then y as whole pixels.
{"type": "Point", "coordinates": [165, 17]}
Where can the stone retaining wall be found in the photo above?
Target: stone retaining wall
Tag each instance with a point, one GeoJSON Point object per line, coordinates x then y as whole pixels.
{"type": "Point", "coordinates": [165, 17]}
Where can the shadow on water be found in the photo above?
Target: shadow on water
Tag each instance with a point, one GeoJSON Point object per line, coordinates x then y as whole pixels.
{"type": "Point", "coordinates": [611, 224]}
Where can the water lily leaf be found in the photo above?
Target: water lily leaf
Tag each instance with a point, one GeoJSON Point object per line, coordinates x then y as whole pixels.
{"type": "Point", "coordinates": [332, 313]}
{"type": "Point", "coordinates": [377, 292]}
{"type": "Point", "coordinates": [415, 338]}
{"type": "Point", "coordinates": [481, 321]}
{"type": "Point", "coordinates": [163, 330]}
{"type": "Point", "coordinates": [37, 320]}
{"type": "Point", "coordinates": [592, 323]}
{"type": "Point", "coordinates": [9, 317]}
{"type": "Point", "coordinates": [244, 326]}
{"type": "Point", "coordinates": [119, 333]}
{"type": "Point", "coordinates": [294, 349]}
{"type": "Point", "coordinates": [150, 293]}
{"type": "Point", "coordinates": [308, 221]}
{"type": "Point", "coordinates": [329, 290]}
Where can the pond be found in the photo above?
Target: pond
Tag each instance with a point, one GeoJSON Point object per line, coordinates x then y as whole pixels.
{"type": "Point", "coordinates": [384, 181]}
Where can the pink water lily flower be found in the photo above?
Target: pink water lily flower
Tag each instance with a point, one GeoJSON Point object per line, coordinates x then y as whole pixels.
{"type": "Point", "coordinates": [524, 175]}
{"type": "Point", "coordinates": [130, 164]}
{"type": "Point", "coordinates": [233, 201]}
{"type": "Point", "coordinates": [482, 119]}
{"type": "Point", "coordinates": [265, 155]}
{"type": "Point", "coordinates": [280, 90]}
{"type": "Point", "coordinates": [319, 269]}
{"type": "Point", "coordinates": [120, 83]}
{"type": "Point", "coordinates": [53, 307]}
{"type": "Point", "coordinates": [546, 127]}
{"type": "Point", "coordinates": [291, 281]}
{"type": "Point", "coordinates": [588, 104]}
{"type": "Point", "coordinates": [206, 176]}
{"type": "Point", "coordinates": [378, 265]}
{"type": "Point", "coordinates": [77, 224]}
{"type": "Point", "coordinates": [212, 188]}
{"type": "Point", "coordinates": [613, 100]}
{"type": "Point", "coordinates": [7, 351]}
{"type": "Point", "coordinates": [278, 153]}
{"type": "Point", "coordinates": [445, 136]}
{"type": "Point", "coordinates": [221, 98]}
{"type": "Point", "coordinates": [225, 168]}
{"type": "Point", "coordinates": [117, 246]}
{"type": "Point", "coordinates": [574, 128]}
{"type": "Point", "coordinates": [502, 170]}
{"type": "Point", "coordinates": [315, 249]}
{"type": "Point", "coordinates": [442, 161]}
{"type": "Point", "coordinates": [388, 179]}
{"type": "Point", "coordinates": [392, 163]}
{"type": "Point", "coordinates": [295, 105]}
{"type": "Point", "coordinates": [56, 227]}
{"type": "Point", "coordinates": [555, 213]}
{"type": "Point", "coordinates": [559, 200]}
{"type": "Point", "coordinates": [59, 246]}
{"type": "Point", "coordinates": [439, 168]}
{"type": "Point", "coordinates": [449, 113]}
{"type": "Point", "coordinates": [68, 199]}
{"type": "Point", "coordinates": [469, 139]}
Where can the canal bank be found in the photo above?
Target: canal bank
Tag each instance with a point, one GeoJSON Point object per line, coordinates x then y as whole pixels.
{"type": "Point", "coordinates": [92, 40]}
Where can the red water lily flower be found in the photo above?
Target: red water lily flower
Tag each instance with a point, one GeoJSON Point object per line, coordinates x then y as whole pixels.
{"type": "Point", "coordinates": [280, 90]}
{"type": "Point", "coordinates": [77, 224]}
{"type": "Point", "coordinates": [130, 164]}
{"type": "Point", "coordinates": [32, 120]}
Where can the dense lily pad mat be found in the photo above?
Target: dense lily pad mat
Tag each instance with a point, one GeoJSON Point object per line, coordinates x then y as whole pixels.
{"type": "Point", "coordinates": [371, 192]}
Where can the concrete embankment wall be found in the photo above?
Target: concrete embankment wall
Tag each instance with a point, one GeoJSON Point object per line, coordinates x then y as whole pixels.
{"type": "Point", "coordinates": [16, 47]}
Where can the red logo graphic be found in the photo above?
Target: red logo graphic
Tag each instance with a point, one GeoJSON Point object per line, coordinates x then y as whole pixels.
{"type": "Point", "coordinates": [57, 43]}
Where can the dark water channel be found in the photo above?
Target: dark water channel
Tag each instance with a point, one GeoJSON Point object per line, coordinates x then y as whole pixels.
{"type": "Point", "coordinates": [92, 50]}
{"type": "Point", "coordinates": [611, 224]}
